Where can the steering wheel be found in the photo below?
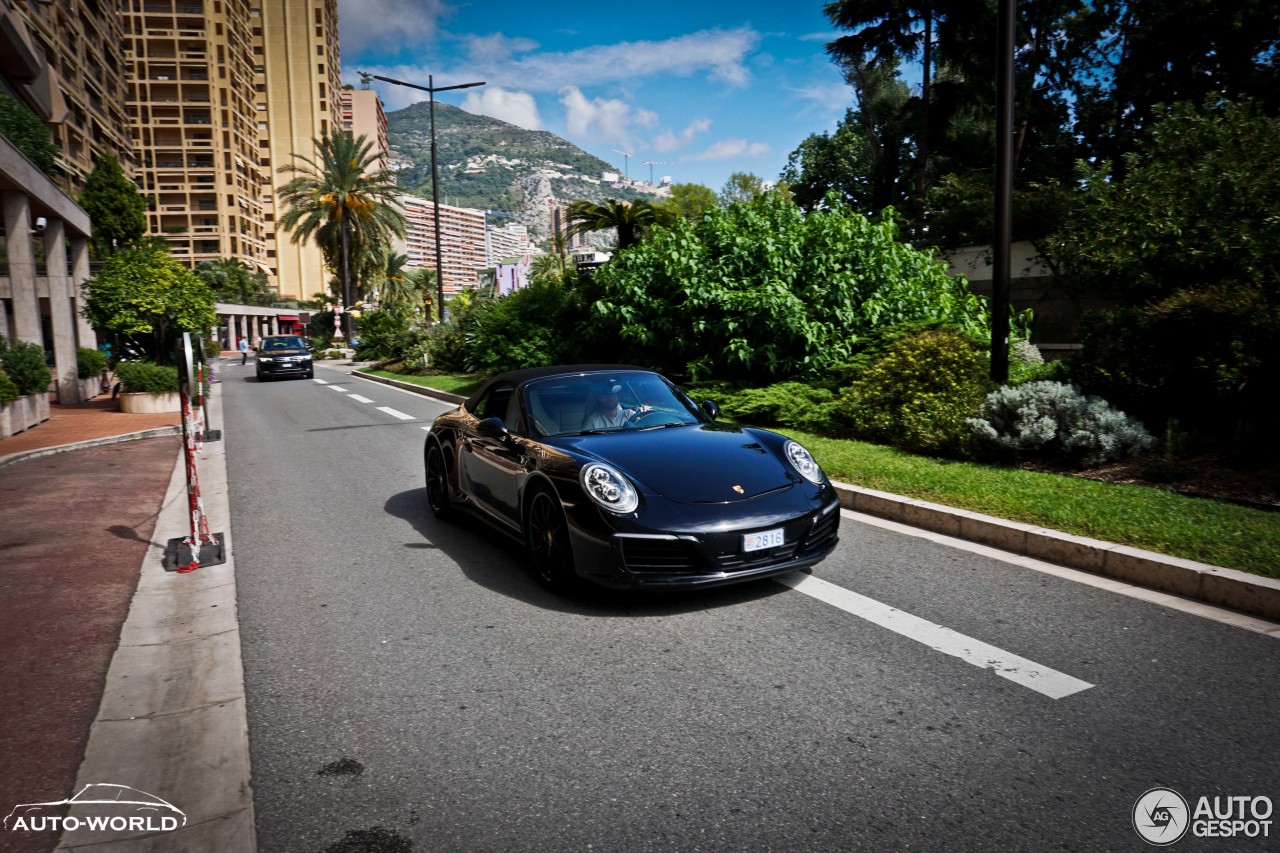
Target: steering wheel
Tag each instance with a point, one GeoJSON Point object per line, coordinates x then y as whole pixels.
{"type": "Point", "coordinates": [640, 418]}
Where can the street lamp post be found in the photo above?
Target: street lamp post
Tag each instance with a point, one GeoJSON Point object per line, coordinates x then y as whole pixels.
{"type": "Point", "coordinates": [431, 89]}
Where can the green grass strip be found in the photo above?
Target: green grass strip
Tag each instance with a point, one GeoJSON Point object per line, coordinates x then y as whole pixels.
{"type": "Point", "coordinates": [447, 382]}
{"type": "Point", "coordinates": [1208, 531]}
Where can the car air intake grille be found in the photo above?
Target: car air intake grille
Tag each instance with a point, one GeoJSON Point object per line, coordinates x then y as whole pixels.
{"type": "Point", "coordinates": [755, 559]}
{"type": "Point", "coordinates": [658, 556]}
{"type": "Point", "coordinates": [824, 532]}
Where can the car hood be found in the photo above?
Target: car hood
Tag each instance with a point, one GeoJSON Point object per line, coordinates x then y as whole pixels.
{"type": "Point", "coordinates": [282, 352]}
{"type": "Point", "coordinates": [708, 463]}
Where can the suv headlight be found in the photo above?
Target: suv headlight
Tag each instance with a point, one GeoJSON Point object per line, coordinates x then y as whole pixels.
{"type": "Point", "coordinates": [608, 488]}
{"type": "Point", "coordinates": [265, 358]}
{"type": "Point", "coordinates": [803, 462]}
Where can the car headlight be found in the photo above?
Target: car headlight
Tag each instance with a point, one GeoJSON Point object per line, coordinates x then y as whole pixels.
{"type": "Point", "coordinates": [803, 462]}
{"type": "Point", "coordinates": [608, 488]}
{"type": "Point", "coordinates": [265, 358]}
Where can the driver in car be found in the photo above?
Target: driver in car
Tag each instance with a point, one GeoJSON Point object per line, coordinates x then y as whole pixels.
{"type": "Point", "coordinates": [605, 410]}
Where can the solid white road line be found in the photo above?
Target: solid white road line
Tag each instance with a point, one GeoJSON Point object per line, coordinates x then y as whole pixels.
{"type": "Point", "coordinates": [360, 399]}
{"type": "Point", "coordinates": [1019, 670]}
{"type": "Point", "coordinates": [401, 415]}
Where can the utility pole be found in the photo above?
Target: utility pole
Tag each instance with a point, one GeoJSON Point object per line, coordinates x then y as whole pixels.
{"type": "Point", "coordinates": [1007, 12]}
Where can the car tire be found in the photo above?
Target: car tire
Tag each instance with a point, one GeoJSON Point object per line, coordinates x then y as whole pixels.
{"type": "Point", "coordinates": [547, 536]}
{"type": "Point", "coordinates": [437, 470]}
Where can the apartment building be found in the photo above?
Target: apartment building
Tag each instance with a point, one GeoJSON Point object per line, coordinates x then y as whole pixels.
{"type": "Point", "coordinates": [298, 100]}
{"type": "Point", "coordinates": [223, 93]}
{"type": "Point", "coordinates": [462, 241]}
{"type": "Point", "coordinates": [62, 60]}
{"type": "Point", "coordinates": [363, 115]}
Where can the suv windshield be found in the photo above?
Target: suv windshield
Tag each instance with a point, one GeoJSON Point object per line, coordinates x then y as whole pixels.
{"type": "Point", "coordinates": [282, 343]}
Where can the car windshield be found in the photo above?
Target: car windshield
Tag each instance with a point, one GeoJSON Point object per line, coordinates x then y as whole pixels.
{"type": "Point", "coordinates": [281, 343]}
{"type": "Point", "coordinates": [599, 403]}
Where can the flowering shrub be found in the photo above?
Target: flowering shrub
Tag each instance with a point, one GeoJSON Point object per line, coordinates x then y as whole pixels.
{"type": "Point", "coordinates": [1056, 420]}
{"type": "Point", "coordinates": [920, 393]}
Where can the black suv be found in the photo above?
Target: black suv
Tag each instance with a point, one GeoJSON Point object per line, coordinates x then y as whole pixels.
{"type": "Point", "coordinates": [284, 355]}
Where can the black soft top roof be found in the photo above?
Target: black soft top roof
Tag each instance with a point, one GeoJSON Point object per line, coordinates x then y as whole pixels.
{"type": "Point", "coordinates": [516, 377]}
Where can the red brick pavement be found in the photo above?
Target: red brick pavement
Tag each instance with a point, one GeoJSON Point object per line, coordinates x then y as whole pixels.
{"type": "Point", "coordinates": [74, 528]}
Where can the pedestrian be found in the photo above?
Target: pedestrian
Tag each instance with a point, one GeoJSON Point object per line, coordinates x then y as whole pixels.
{"type": "Point", "coordinates": [244, 350]}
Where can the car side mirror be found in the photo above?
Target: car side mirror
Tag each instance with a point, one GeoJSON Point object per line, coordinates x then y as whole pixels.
{"type": "Point", "coordinates": [493, 428]}
{"type": "Point", "coordinates": [310, 346]}
{"type": "Point", "coordinates": [710, 409]}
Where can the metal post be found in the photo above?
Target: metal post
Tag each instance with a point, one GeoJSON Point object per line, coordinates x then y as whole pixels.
{"type": "Point", "coordinates": [431, 89]}
{"type": "Point", "coordinates": [1004, 194]}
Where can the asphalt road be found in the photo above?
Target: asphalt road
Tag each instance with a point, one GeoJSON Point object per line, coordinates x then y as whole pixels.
{"type": "Point", "coordinates": [411, 688]}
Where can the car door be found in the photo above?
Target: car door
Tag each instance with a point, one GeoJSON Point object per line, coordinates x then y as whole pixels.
{"type": "Point", "coordinates": [493, 466]}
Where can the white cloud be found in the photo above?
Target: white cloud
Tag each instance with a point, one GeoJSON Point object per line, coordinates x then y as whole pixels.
{"type": "Point", "coordinates": [518, 108]}
{"type": "Point", "coordinates": [720, 54]}
{"type": "Point", "coordinates": [833, 97]}
{"type": "Point", "coordinates": [366, 23]}
{"type": "Point", "coordinates": [732, 149]}
{"type": "Point", "coordinates": [670, 141]}
{"type": "Point", "coordinates": [607, 119]}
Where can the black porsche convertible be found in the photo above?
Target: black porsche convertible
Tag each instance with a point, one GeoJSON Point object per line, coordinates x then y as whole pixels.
{"type": "Point", "coordinates": [612, 474]}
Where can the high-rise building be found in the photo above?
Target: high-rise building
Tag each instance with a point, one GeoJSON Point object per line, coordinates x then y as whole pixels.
{"type": "Point", "coordinates": [363, 115]}
{"type": "Point", "coordinates": [62, 60]}
{"type": "Point", "coordinates": [299, 100]}
{"type": "Point", "coordinates": [224, 93]}
{"type": "Point", "coordinates": [461, 241]}
{"type": "Point", "coordinates": [195, 127]}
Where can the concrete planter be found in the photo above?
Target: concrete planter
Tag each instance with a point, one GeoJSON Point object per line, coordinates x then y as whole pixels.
{"type": "Point", "coordinates": [23, 413]}
{"type": "Point", "coordinates": [90, 388]}
{"type": "Point", "coordinates": [150, 404]}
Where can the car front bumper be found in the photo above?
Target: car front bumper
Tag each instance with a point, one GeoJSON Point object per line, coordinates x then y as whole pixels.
{"type": "Point", "coordinates": [705, 555]}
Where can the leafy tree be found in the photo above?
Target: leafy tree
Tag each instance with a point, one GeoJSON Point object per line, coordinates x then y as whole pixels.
{"type": "Point", "coordinates": [116, 209]}
{"type": "Point", "coordinates": [142, 292]}
{"type": "Point", "coordinates": [864, 159]}
{"type": "Point", "coordinates": [342, 202]}
{"type": "Point", "coordinates": [232, 281]}
{"type": "Point", "coordinates": [1200, 204]}
{"type": "Point", "coordinates": [741, 187]}
{"type": "Point", "coordinates": [28, 133]}
{"type": "Point", "coordinates": [763, 290]}
{"type": "Point", "coordinates": [689, 200]}
{"type": "Point", "coordinates": [629, 218]}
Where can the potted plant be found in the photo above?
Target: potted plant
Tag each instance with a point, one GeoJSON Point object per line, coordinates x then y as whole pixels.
{"type": "Point", "coordinates": [148, 388]}
{"type": "Point", "coordinates": [25, 366]}
{"type": "Point", "coordinates": [91, 367]}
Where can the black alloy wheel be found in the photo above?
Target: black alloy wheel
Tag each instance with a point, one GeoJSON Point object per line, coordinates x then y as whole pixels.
{"type": "Point", "coordinates": [437, 482]}
{"type": "Point", "coordinates": [547, 534]}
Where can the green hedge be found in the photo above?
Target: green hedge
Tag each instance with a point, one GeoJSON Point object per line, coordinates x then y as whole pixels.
{"type": "Point", "coordinates": [90, 362]}
{"type": "Point", "coordinates": [25, 363]}
{"type": "Point", "coordinates": [146, 377]}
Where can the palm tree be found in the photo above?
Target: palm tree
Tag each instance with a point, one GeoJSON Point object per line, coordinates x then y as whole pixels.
{"type": "Point", "coordinates": [629, 218]}
{"type": "Point", "coordinates": [550, 268]}
{"type": "Point", "coordinates": [398, 292]}
{"type": "Point", "coordinates": [342, 201]}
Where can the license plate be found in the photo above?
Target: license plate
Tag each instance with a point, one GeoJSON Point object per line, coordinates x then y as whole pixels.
{"type": "Point", "coordinates": [763, 539]}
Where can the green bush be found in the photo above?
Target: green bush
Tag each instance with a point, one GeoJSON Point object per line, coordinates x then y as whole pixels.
{"type": "Point", "coordinates": [90, 362]}
{"type": "Point", "coordinates": [1208, 358]}
{"type": "Point", "coordinates": [796, 405]}
{"type": "Point", "coordinates": [920, 393]}
{"type": "Point", "coordinates": [1057, 421]}
{"type": "Point", "coordinates": [26, 365]}
{"type": "Point", "coordinates": [146, 377]}
{"type": "Point", "coordinates": [8, 390]}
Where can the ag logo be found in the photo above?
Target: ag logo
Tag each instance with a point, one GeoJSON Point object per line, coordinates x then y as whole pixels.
{"type": "Point", "coordinates": [1161, 816]}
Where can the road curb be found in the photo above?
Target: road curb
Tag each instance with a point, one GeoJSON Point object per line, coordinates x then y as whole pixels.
{"type": "Point", "coordinates": [154, 432]}
{"type": "Point", "coordinates": [1241, 591]}
{"type": "Point", "coordinates": [173, 717]}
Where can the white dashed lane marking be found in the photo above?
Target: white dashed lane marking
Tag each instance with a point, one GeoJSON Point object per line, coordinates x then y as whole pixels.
{"type": "Point", "coordinates": [1019, 670]}
{"type": "Point", "coordinates": [360, 399]}
{"type": "Point", "coordinates": [401, 415]}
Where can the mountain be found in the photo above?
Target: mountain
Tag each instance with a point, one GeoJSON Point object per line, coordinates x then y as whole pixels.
{"type": "Point", "coordinates": [489, 164]}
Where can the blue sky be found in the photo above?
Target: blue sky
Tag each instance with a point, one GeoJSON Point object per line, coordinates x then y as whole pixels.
{"type": "Point", "coordinates": [705, 89]}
